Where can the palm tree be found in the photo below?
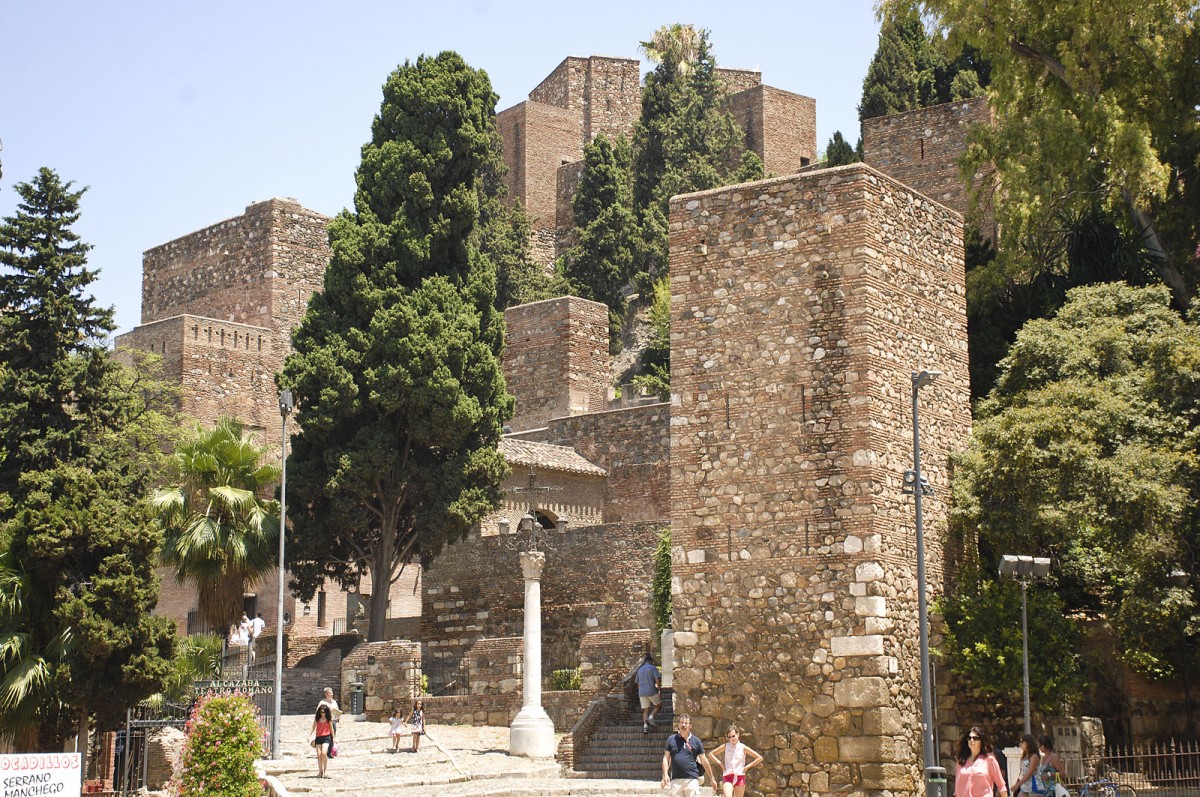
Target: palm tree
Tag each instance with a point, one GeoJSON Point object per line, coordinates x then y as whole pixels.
{"type": "Point", "coordinates": [677, 42]}
{"type": "Point", "coordinates": [219, 534]}
{"type": "Point", "coordinates": [26, 672]}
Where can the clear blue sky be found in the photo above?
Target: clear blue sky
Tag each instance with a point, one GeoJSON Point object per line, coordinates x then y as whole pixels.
{"type": "Point", "coordinates": [179, 114]}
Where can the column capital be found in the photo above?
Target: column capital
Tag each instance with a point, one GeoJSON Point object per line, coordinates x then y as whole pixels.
{"type": "Point", "coordinates": [532, 563]}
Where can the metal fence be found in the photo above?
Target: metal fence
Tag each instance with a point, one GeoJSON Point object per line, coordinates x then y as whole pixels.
{"type": "Point", "coordinates": [447, 678]}
{"type": "Point", "coordinates": [1148, 769]}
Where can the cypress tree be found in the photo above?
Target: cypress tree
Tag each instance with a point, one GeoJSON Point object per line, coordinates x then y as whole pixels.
{"type": "Point", "coordinates": [397, 374]}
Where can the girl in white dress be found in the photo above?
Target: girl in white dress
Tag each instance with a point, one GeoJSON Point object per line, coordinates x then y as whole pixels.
{"type": "Point", "coordinates": [397, 729]}
{"type": "Point", "coordinates": [733, 764]}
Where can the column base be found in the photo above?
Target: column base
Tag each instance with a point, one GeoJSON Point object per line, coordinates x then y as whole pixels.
{"type": "Point", "coordinates": [532, 734]}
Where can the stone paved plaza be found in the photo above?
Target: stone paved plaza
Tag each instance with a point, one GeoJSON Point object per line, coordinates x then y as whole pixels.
{"type": "Point", "coordinates": [454, 761]}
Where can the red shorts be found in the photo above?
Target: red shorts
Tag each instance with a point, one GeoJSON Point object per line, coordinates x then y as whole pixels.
{"type": "Point", "coordinates": [736, 780]}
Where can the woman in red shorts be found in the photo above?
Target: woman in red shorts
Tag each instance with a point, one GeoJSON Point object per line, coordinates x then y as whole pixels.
{"type": "Point", "coordinates": [734, 764]}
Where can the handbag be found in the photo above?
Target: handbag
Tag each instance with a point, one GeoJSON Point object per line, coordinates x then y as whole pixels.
{"type": "Point", "coordinates": [333, 750]}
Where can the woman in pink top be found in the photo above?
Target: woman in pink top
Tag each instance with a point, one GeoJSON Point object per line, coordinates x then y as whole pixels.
{"type": "Point", "coordinates": [733, 782]}
{"type": "Point", "coordinates": [978, 770]}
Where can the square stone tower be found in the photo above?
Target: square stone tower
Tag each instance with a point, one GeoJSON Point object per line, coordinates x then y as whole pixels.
{"type": "Point", "coordinates": [556, 359]}
{"type": "Point", "coordinates": [800, 307]}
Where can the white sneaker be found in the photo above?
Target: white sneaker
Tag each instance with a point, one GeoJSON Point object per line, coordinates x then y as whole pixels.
{"type": "Point", "coordinates": [645, 728]}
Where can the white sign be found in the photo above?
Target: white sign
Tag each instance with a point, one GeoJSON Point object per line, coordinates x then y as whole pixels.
{"type": "Point", "coordinates": [38, 774]}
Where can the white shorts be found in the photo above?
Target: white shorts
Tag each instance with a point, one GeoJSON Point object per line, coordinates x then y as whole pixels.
{"type": "Point", "coordinates": [685, 787]}
{"type": "Point", "coordinates": [649, 700]}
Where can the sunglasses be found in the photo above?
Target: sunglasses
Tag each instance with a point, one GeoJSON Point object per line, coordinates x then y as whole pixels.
{"type": "Point", "coordinates": [974, 738]}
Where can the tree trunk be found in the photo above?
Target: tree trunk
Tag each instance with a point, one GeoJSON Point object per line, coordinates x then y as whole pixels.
{"type": "Point", "coordinates": [1171, 275]}
{"type": "Point", "coordinates": [81, 740]}
{"type": "Point", "coordinates": [27, 740]}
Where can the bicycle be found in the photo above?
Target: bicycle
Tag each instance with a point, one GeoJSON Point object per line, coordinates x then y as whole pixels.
{"type": "Point", "coordinates": [1106, 788]}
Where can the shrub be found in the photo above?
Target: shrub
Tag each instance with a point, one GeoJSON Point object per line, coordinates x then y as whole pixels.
{"type": "Point", "coordinates": [566, 679]}
{"type": "Point", "coordinates": [223, 739]}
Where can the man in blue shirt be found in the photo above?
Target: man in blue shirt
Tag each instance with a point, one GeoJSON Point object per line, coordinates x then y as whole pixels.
{"type": "Point", "coordinates": [682, 759]}
{"type": "Point", "coordinates": [649, 691]}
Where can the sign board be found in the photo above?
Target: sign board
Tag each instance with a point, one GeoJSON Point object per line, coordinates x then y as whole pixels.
{"type": "Point", "coordinates": [252, 686]}
{"type": "Point", "coordinates": [40, 775]}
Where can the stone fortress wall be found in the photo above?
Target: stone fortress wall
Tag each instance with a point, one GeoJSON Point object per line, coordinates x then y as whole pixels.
{"type": "Point", "coordinates": [794, 592]}
{"type": "Point", "coordinates": [595, 579]}
{"type": "Point", "coordinates": [800, 305]}
{"type": "Point", "coordinates": [921, 149]}
{"type": "Point", "coordinates": [544, 135]}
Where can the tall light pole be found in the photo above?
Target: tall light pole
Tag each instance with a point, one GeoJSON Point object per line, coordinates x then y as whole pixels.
{"type": "Point", "coordinates": [286, 403]}
{"type": "Point", "coordinates": [1024, 568]}
{"type": "Point", "coordinates": [935, 776]}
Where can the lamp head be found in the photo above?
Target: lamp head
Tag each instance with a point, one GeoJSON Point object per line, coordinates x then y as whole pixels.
{"type": "Point", "coordinates": [923, 378]}
{"type": "Point", "coordinates": [286, 402]}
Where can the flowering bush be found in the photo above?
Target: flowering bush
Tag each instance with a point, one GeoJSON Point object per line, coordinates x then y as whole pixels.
{"type": "Point", "coordinates": [223, 739]}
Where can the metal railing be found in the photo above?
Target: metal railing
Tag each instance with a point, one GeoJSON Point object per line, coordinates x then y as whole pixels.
{"type": "Point", "coordinates": [1147, 769]}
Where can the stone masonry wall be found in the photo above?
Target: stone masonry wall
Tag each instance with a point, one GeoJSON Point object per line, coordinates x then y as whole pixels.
{"type": "Point", "coordinates": [738, 80]}
{"type": "Point", "coordinates": [596, 579]}
{"type": "Point", "coordinates": [578, 497]}
{"type": "Point", "coordinates": [556, 359]}
{"type": "Point", "coordinates": [605, 92]}
{"type": "Point", "coordinates": [781, 127]}
{"type": "Point", "coordinates": [242, 269]}
{"type": "Point", "coordinates": [921, 148]}
{"type": "Point", "coordinates": [794, 583]}
{"type": "Point", "coordinates": [605, 657]}
{"type": "Point", "coordinates": [633, 445]}
{"type": "Point", "coordinates": [537, 140]}
{"type": "Point", "coordinates": [390, 673]}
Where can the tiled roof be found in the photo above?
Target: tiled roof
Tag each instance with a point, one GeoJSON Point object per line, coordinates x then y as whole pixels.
{"type": "Point", "coordinates": [549, 457]}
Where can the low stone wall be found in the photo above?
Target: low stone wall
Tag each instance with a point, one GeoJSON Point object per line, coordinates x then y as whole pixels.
{"type": "Point", "coordinates": [389, 671]}
{"type": "Point", "coordinates": [564, 709]}
{"type": "Point", "coordinates": [494, 666]}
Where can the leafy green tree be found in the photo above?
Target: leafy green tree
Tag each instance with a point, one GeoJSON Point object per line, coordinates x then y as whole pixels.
{"type": "Point", "coordinates": [1085, 451]}
{"type": "Point", "coordinates": [661, 590]}
{"type": "Point", "coordinates": [77, 545]}
{"type": "Point", "coordinates": [219, 534]}
{"type": "Point", "coordinates": [838, 151]}
{"type": "Point", "coordinates": [1092, 106]}
{"type": "Point", "coordinates": [655, 358]}
{"type": "Point", "coordinates": [50, 333]}
{"type": "Point", "coordinates": [400, 394]}
{"type": "Point", "coordinates": [979, 647]}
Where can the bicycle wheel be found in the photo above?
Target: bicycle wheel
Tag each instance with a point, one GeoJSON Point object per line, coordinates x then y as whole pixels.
{"type": "Point", "coordinates": [1125, 790]}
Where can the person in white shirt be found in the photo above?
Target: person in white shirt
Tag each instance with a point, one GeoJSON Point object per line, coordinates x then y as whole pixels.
{"type": "Point", "coordinates": [334, 712]}
{"type": "Point", "coordinates": [734, 766]}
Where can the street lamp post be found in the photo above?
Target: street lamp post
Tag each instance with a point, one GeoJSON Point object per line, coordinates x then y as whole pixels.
{"type": "Point", "coordinates": [1024, 568]}
{"type": "Point", "coordinates": [286, 403]}
{"type": "Point", "coordinates": [935, 776]}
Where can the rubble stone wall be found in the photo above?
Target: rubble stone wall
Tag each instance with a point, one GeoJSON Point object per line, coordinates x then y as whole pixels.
{"type": "Point", "coordinates": [556, 359]}
{"type": "Point", "coordinates": [922, 148]}
{"type": "Point", "coordinates": [633, 445]}
{"type": "Point", "coordinates": [794, 583]}
{"type": "Point", "coordinates": [595, 579]}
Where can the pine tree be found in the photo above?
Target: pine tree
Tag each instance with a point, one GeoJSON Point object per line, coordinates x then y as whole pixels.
{"type": "Point", "coordinates": [684, 141]}
{"type": "Point", "coordinates": [609, 249]}
{"type": "Point", "coordinates": [77, 544]}
{"type": "Point", "coordinates": [838, 151]}
{"type": "Point", "coordinates": [397, 374]}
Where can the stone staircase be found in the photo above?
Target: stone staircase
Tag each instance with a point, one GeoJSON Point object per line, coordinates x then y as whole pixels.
{"type": "Point", "coordinates": [619, 749]}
